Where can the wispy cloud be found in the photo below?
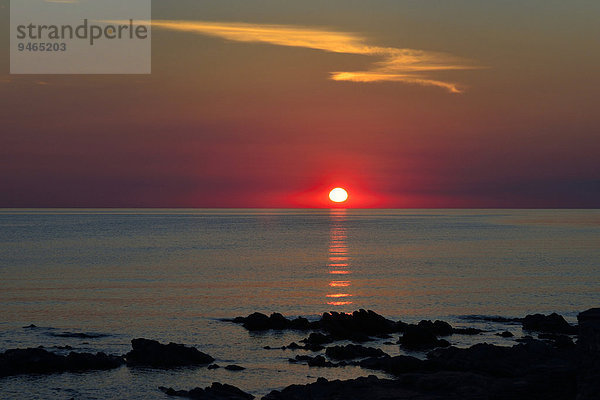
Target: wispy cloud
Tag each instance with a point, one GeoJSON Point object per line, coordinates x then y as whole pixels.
{"type": "Point", "coordinates": [397, 65]}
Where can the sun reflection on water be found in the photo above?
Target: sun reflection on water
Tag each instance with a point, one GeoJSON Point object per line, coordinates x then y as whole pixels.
{"type": "Point", "coordinates": [339, 258]}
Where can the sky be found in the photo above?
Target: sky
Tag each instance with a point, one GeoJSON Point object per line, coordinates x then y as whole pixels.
{"type": "Point", "coordinates": [270, 103]}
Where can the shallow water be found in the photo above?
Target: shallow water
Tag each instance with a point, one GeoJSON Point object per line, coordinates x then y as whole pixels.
{"type": "Point", "coordinates": [171, 274]}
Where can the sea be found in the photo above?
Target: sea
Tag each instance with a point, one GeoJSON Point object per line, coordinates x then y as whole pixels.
{"type": "Point", "coordinates": [95, 279]}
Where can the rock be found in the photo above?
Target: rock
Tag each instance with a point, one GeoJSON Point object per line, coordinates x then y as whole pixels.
{"type": "Point", "coordinates": [216, 391]}
{"type": "Point", "coordinates": [32, 326]}
{"type": "Point", "coordinates": [589, 330]}
{"type": "Point", "coordinates": [25, 361]}
{"type": "Point", "coordinates": [371, 388]}
{"type": "Point", "coordinates": [466, 331]}
{"type": "Point", "coordinates": [588, 347]}
{"type": "Point", "coordinates": [257, 322]}
{"type": "Point", "coordinates": [352, 351]}
{"type": "Point", "coordinates": [515, 361]}
{"type": "Point", "coordinates": [152, 353]}
{"type": "Point", "coordinates": [358, 326]}
{"type": "Point", "coordinates": [505, 334]}
{"type": "Point", "coordinates": [318, 339]}
{"type": "Point", "coordinates": [394, 365]}
{"type": "Point", "coordinates": [214, 366]}
{"type": "Point", "coordinates": [261, 322]}
{"type": "Point", "coordinates": [559, 341]}
{"type": "Point", "coordinates": [417, 337]}
{"type": "Point", "coordinates": [318, 361]}
{"type": "Point", "coordinates": [293, 346]}
{"type": "Point", "coordinates": [552, 323]}
{"type": "Point", "coordinates": [439, 328]}
{"type": "Point", "coordinates": [233, 367]}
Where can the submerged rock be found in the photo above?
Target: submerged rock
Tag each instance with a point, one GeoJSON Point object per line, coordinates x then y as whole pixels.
{"type": "Point", "coordinates": [505, 334]}
{"type": "Point", "coordinates": [216, 391]}
{"type": "Point", "coordinates": [352, 351]}
{"type": "Point", "coordinates": [233, 367]}
{"type": "Point", "coordinates": [152, 353]}
{"type": "Point", "coordinates": [25, 361]}
{"type": "Point", "coordinates": [552, 323]}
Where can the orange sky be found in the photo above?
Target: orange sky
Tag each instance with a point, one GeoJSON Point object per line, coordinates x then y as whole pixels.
{"type": "Point", "coordinates": [272, 104]}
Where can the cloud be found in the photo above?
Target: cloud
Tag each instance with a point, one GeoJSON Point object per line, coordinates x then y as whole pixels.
{"type": "Point", "coordinates": [398, 65]}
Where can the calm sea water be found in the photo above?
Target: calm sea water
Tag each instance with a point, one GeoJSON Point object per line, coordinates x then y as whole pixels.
{"type": "Point", "coordinates": [171, 274]}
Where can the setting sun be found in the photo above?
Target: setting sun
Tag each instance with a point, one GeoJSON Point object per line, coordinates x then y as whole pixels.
{"type": "Point", "coordinates": [338, 195]}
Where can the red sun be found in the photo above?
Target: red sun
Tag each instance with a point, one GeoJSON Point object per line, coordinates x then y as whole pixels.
{"type": "Point", "coordinates": [338, 195]}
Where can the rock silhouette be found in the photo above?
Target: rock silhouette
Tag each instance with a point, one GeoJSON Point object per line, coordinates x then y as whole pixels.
{"type": "Point", "coordinates": [26, 361]}
{"type": "Point", "coordinates": [152, 353]}
{"type": "Point", "coordinates": [217, 391]}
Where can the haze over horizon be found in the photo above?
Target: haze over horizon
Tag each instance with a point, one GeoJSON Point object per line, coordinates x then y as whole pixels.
{"type": "Point", "coordinates": [271, 104]}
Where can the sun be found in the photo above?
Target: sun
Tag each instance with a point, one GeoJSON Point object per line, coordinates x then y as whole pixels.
{"type": "Point", "coordinates": [338, 195]}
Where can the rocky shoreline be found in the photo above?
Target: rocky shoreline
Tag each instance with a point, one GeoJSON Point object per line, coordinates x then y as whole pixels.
{"type": "Point", "coordinates": [561, 363]}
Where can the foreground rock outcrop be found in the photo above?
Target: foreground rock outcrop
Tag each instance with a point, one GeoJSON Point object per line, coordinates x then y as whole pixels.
{"type": "Point", "coordinates": [154, 354]}
{"type": "Point", "coordinates": [28, 361]}
{"type": "Point", "coordinates": [552, 323]}
{"type": "Point", "coordinates": [216, 391]}
{"type": "Point", "coordinates": [358, 326]}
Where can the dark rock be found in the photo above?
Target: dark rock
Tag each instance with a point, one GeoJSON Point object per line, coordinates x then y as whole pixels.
{"type": "Point", "coordinates": [30, 326]}
{"type": "Point", "coordinates": [394, 365]}
{"type": "Point", "coordinates": [352, 351]}
{"type": "Point", "coordinates": [155, 354]}
{"type": "Point", "coordinates": [466, 331]}
{"type": "Point", "coordinates": [439, 328]}
{"type": "Point", "coordinates": [233, 367]}
{"type": "Point", "coordinates": [588, 346]}
{"type": "Point", "coordinates": [560, 341]}
{"type": "Point", "coordinates": [505, 334]}
{"type": "Point", "coordinates": [67, 347]}
{"type": "Point", "coordinates": [309, 344]}
{"type": "Point", "coordinates": [214, 366]}
{"type": "Point", "coordinates": [417, 337]}
{"type": "Point", "coordinates": [257, 322]}
{"type": "Point", "coordinates": [318, 361]}
{"type": "Point", "coordinates": [589, 330]}
{"type": "Point", "coordinates": [358, 326]}
{"type": "Point", "coordinates": [525, 339]}
{"type": "Point", "coordinates": [216, 391]}
{"type": "Point", "coordinates": [371, 388]}
{"type": "Point", "coordinates": [318, 339]}
{"type": "Point", "coordinates": [512, 361]}
{"type": "Point", "coordinates": [25, 361]}
{"type": "Point", "coordinates": [261, 322]}
{"type": "Point", "coordinates": [552, 323]}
